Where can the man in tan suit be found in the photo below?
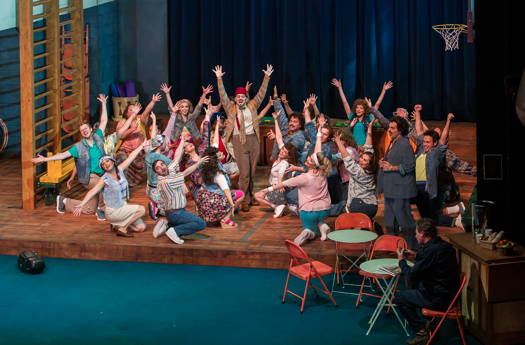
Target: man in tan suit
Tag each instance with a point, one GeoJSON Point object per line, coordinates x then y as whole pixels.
{"type": "Point", "coordinates": [243, 130]}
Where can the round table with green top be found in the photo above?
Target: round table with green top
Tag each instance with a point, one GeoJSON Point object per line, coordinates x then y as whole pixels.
{"type": "Point", "coordinates": [387, 283]}
{"type": "Point", "coordinates": [349, 236]}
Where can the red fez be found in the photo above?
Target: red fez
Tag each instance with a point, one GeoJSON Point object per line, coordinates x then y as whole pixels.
{"type": "Point", "coordinates": [240, 91]}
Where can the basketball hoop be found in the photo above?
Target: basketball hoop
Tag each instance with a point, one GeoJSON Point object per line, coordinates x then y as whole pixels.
{"type": "Point", "coordinates": [450, 33]}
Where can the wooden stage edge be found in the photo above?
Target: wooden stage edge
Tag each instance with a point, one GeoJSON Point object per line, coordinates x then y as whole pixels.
{"type": "Point", "coordinates": [258, 242]}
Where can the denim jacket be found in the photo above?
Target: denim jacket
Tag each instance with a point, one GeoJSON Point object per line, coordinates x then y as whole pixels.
{"type": "Point", "coordinates": [214, 188]}
{"type": "Point", "coordinates": [115, 192]}
{"type": "Point", "coordinates": [82, 162]}
{"type": "Point", "coordinates": [433, 161]}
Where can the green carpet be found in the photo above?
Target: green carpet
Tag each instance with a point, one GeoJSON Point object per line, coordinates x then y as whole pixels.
{"type": "Point", "coordinates": [100, 302]}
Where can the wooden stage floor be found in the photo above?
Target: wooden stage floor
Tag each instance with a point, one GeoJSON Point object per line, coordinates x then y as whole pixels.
{"type": "Point", "coordinates": [258, 242]}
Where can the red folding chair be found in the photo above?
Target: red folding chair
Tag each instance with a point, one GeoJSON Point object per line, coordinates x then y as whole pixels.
{"type": "Point", "coordinates": [453, 312]}
{"type": "Point", "coordinates": [387, 244]}
{"type": "Point", "coordinates": [351, 221]}
{"type": "Point", "coordinates": [304, 268]}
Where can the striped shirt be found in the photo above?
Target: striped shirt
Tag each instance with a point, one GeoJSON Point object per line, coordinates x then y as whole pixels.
{"type": "Point", "coordinates": [171, 190]}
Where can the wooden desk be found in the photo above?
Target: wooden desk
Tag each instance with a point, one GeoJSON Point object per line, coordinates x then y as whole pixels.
{"type": "Point", "coordinates": [493, 301]}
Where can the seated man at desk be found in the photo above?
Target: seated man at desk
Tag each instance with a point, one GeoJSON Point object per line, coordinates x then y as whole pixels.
{"type": "Point", "coordinates": [434, 279]}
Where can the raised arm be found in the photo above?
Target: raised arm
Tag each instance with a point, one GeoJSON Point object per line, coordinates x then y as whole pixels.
{"type": "Point", "coordinates": [125, 164]}
{"type": "Point", "coordinates": [89, 195]}
{"type": "Point", "coordinates": [194, 167]}
{"type": "Point", "coordinates": [264, 85]}
{"type": "Point", "coordinates": [174, 112]}
{"type": "Point", "coordinates": [341, 146]}
{"type": "Point", "coordinates": [337, 83]}
{"type": "Point", "coordinates": [286, 105]}
{"type": "Point", "coordinates": [166, 89]}
{"type": "Point", "coordinates": [205, 139]}
{"type": "Point", "coordinates": [278, 134]}
{"type": "Point", "coordinates": [386, 86]}
{"type": "Point", "coordinates": [225, 100]}
{"type": "Point", "coordinates": [318, 144]}
{"type": "Point", "coordinates": [264, 110]}
{"type": "Point", "coordinates": [154, 128]}
{"type": "Point", "coordinates": [145, 115]}
{"type": "Point", "coordinates": [122, 130]}
{"type": "Point", "coordinates": [103, 99]}
{"type": "Point", "coordinates": [446, 130]}
{"type": "Point", "coordinates": [378, 115]}
{"type": "Point", "coordinates": [417, 117]}
{"type": "Point", "coordinates": [313, 102]}
{"type": "Point", "coordinates": [369, 141]}
{"type": "Point", "coordinates": [202, 100]}
{"type": "Point", "coordinates": [282, 119]}
{"type": "Point", "coordinates": [178, 152]}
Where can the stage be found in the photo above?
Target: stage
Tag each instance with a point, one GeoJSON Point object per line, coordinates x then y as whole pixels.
{"type": "Point", "coordinates": [257, 242]}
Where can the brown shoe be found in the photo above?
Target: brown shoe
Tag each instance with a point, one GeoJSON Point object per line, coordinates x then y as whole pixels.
{"type": "Point", "coordinates": [245, 207]}
{"type": "Point", "coordinates": [254, 203]}
{"type": "Point", "coordinates": [123, 234]}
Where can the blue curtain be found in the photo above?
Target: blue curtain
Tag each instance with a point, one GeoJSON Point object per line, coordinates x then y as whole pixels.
{"type": "Point", "coordinates": [362, 42]}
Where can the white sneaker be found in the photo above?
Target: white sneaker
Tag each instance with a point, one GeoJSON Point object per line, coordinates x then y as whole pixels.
{"type": "Point", "coordinates": [293, 209]}
{"type": "Point", "coordinates": [303, 236]}
{"type": "Point", "coordinates": [461, 208]}
{"type": "Point", "coordinates": [325, 229]}
{"type": "Point", "coordinates": [172, 235]}
{"type": "Point", "coordinates": [61, 206]}
{"type": "Point", "coordinates": [458, 223]}
{"type": "Point", "coordinates": [160, 227]}
{"type": "Point", "coordinates": [278, 211]}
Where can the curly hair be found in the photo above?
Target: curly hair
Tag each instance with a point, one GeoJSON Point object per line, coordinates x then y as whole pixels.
{"type": "Point", "coordinates": [402, 125]}
{"type": "Point", "coordinates": [360, 101]}
{"type": "Point", "coordinates": [348, 138]}
{"type": "Point", "coordinates": [299, 116]}
{"type": "Point", "coordinates": [293, 154]}
{"type": "Point", "coordinates": [210, 168]}
{"type": "Point", "coordinates": [330, 131]}
{"type": "Point", "coordinates": [372, 167]}
{"type": "Point", "coordinates": [433, 134]}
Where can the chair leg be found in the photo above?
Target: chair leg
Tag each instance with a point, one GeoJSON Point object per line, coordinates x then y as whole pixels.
{"type": "Point", "coordinates": [461, 330]}
{"type": "Point", "coordinates": [304, 295]}
{"type": "Point", "coordinates": [326, 291]}
{"type": "Point", "coordinates": [360, 293]}
{"type": "Point", "coordinates": [433, 334]}
{"type": "Point", "coordinates": [314, 289]}
{"type": "Point", "coordinates": [286, 287]}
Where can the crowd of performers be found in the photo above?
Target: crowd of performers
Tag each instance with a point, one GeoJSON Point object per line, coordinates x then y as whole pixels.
{"type": "Point", "coordinates": [317, 172]}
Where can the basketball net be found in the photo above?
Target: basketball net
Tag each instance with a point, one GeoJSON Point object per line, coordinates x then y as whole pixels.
{"type": "Point", "coordinates": [450, 33]}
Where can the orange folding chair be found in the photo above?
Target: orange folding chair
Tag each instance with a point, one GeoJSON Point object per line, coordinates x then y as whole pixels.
{"type": "Point", "coordinates": [304, 268]}
{"type": "Point", "coordinates": [354, 221]}
{"type": "Point", "coordinates": [453, 312]}
{"type": "Point", "coordinates": [386, 244]}
{"type": "Point", "coordinates": [359, 250]}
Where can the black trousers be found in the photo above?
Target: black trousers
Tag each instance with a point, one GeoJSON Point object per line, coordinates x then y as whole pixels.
{"type": "Point", "coordinates": [409, 302]}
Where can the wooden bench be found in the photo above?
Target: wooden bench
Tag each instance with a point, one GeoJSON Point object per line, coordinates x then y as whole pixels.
{"type": "Point", "coordinates": [57, 172]}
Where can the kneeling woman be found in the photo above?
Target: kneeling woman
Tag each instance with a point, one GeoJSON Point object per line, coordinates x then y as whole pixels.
{"type": "Point", "coordinates": [314, 199]}
{"type": "Point", "coordinates": [115, 191]}
{"type": "Point", "coordinates": [216, 201]}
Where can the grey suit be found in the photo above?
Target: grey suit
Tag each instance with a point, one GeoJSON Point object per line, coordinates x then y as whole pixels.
{"type": "Point", "coordinates": [398, 188]}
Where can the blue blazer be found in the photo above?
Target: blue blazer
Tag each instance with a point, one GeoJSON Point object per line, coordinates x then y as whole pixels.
{"type": "Point", "coordinates": [399, 184]}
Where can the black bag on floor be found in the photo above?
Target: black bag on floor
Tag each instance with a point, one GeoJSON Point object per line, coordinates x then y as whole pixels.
{"type": "Point", "coordinates": [30, 262]}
